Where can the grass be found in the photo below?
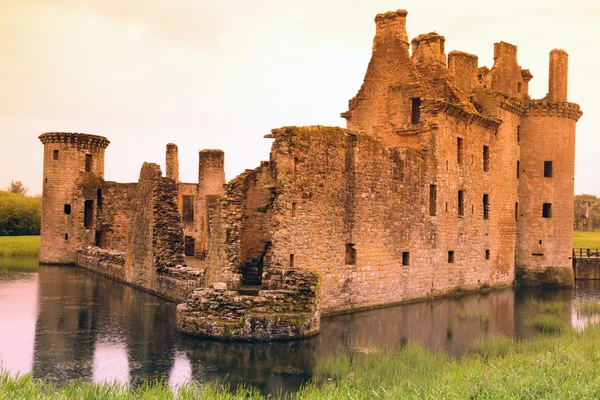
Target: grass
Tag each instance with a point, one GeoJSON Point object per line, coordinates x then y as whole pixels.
{"type": "Point", "coordinates": [547, 366]}
{"type": "Point", "coordinates": [19, 246]}
{"type": "Point", "coordinates": [586, 239]}
{"type": "Point", "coordinates": [589, 308]}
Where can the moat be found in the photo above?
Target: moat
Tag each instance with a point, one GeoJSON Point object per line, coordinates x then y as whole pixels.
{"type": "Point", "coordinates": [63, 323]}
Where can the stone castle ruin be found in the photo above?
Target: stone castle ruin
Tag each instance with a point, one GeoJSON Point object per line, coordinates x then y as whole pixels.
{"type": "Point", "coordinates": [448, 178]}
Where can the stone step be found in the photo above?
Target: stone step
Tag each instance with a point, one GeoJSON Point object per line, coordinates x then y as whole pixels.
{"type": "Point", "coordinates": [250, 290]}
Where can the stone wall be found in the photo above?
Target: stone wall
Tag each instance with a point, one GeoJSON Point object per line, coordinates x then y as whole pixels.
{"type": "Point", "coordinates": [114, 214]}
{"type": "Point", "coordinates": [288, 308]}
{"type": "Point", "coordinates": [156, 237]}
{"type": "Point", "coordinates": [587, 268]}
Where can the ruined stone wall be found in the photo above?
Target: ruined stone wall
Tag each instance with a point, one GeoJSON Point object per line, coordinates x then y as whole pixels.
{"type": "Point", "coordinates": [545, 242]}
{"type": "Point", "coordinates": [115, 214]}
{"type": "Point", "coordinates": [73, 170]}
{"type": "Point", "coordinates": [211, 178]}
{"type": "Point", "coordinates": [288, 308]}
{"type": "Point", "coordinates": [156, 237]}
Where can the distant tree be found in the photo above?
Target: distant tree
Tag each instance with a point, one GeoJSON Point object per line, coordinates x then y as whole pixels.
{"type": "Point", "coordinates": [19, 214]}
{"type": "Point", "coordinates": [17, 187]}
{"type": "Point", "coordinates": [587, 212]}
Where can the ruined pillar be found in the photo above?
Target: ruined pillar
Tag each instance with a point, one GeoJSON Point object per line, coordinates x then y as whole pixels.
{"type": "Point", "coordinates": [211, 178]}
{"type": "Point", "coordinates": [172, 161]}
{"type": "Point", "coordinates": [558, 76]}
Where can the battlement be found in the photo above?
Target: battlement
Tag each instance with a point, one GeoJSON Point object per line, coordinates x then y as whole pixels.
{"type": "Point", "coordinates": [75, 139]}
{"type": "Point", "coordinates": [545, 107]}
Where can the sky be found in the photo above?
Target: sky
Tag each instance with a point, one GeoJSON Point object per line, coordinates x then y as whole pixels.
{"type": "Point", "coordinates": [221, 74]}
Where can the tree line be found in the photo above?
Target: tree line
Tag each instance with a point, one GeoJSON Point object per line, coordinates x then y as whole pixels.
{"type": "Point", "coordinates": [19, 214]}
{"type": "Point", "coordinates": [587, 212]}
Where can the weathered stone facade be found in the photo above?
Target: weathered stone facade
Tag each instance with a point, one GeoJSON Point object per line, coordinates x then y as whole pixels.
{"type": "Point", "coordinates": [449, 178]}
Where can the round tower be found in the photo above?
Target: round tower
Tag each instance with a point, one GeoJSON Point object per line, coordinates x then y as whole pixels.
{"type": "Point", "coordinates": [546, 184]}
{"type": "Point", "coordinates": [73, 175]}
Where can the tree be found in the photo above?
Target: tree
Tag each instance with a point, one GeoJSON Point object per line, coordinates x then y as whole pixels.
{"type": "Point", "coordinates": [17, 187]}
{"type": "Point", "coordinates": [19, 214]}
{"type": "Point", "coordinates": [587, 212]}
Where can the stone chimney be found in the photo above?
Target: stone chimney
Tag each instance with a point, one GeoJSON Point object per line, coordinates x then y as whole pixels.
{"type": "Point", "coordinates": [558, 76]}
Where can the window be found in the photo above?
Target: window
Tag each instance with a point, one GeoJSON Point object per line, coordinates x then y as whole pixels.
{"type": "Point", "coordinates": [88, 215]}
{"type": "Point", "coordinates": [55, 154]}
{"type": "Point", "coordinates": [516, 211]}
{"type": "Point", "coordinates": [405, 258]}
{"type": "Point", "coordinates": [296, 165]}
{"type": "Point", "coordinates": [99, 199]}
{"type": "Point", "coordinates": [486, 206]}
{"type": "Point", "coordinates": [461, 203]}
{"type": "Point", "coordinates": [487, 254]}
{"type": "Point", "coordinates": [547, 169]}
{"type": "Point", "coordinates": [293, 210]}
{"type": "Point", "coordinates": [66, 236]}
{"type": "Point", "coordinates": [446, 206]}
{"type": "Point", "coordinates": [432, 200]}
{"type": "Point", "coordinates": [67, 209]}
{"type": "Point", "coordinates": [518, 169]}
{"type": "Point", "coordinates": [459, 150]}
{"type": "Point", "coordinates": [291, 261]}
{"type": "Point", "coordinates": [547, 210]}
{"type": "Point", "coordinates": [518, 87]}
{"type": "Point", "coordinates": [188, 209]}
{"type": "Point", "coordinates": [518, 133]}
{"type": "Point", "coordinates": [350, 254]}
{"type": "Point", "coordinates": [486, 158]}
{"type": "Point", "coordinates": [451, 257]}
{"type": "Point", "coordinates": [415, 117]}
{"type": "Point", "coordinates": [88, 163]}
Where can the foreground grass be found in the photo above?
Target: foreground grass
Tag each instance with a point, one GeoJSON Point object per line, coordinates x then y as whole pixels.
{"type": "Point", "coordinates": [586, 239]}
{"type": "Point", "coordinates": [19, 246]}
{"type": "Point", "coordinates": [548, 366]}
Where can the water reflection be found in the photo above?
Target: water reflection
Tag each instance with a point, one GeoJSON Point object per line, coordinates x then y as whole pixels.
{"type": "Point", "coordinates": [63, 323]}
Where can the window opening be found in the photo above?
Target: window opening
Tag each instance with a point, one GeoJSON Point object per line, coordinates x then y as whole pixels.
{"type": "Point", "coordinates": [67, 209]}
{"type": "Point", "coordinates": [55, 154]}
{"type": "Point", "coordinates": [547, 210]}
{"type": "Point", "coordinates": [486, 158]}
{"type": "Point", "coordinates": [405, 258]}
{"type": "Point", "coordinates": [99, 199]}
{"type": "Point", "coordinates": [451, 257]}
{"type": "Point", "coordinates": [188, 209]}
{"type": "Point", "coordinates": [516, 211]}
{"type": "Point", "coordinates": [547, 169]}
{"type": "Point", "coordinates": [518, 169]}
{"type": "Point", "coordinates": [518, 133]}
{"type": "Point", "coordinates": [88, 215]}
{"type": "Point", "coordinates": [459, 150]}
{"type": "Point", "coordinates": [486, 206]}
{"type": "Point", "coordinates": [461, 203]}
{"type": "Point", "coordinates": [487, 254]}
{"type": "Point", "coordinates": [291, 261]}
{"type": "Point", "coordinates": [88, 163]}
{"type": "Point", "coordinates": [416, 111]}
{"type": "Point", "coordinates": [432, 200]}
{"type": "Point", "coordinates": [350, 254]}
{"type": "Point", "coordinates": [293, 210]}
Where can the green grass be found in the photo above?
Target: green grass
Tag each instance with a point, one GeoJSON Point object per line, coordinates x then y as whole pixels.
{"type": "Point", "coordinates": [19, 245]}
{"type": "Point", "coordinates": [547, 366]}
{"type": "Point", "coordinates": [589, 308]}
{"type": "Point", "coordinates": [549, 323]}
{"type": "Point", "coordinates": [549, 307]}
{"type": "Point", "coordinates": [474, 315]}
{"type": "Point", "coordinates": [586, 239]}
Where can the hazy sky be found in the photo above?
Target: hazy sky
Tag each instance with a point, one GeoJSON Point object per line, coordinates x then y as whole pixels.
{"type": "Point", "coordinates": [222, 74]}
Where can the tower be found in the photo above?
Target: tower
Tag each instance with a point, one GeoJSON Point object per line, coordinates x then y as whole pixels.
{"type": "Point", "coordinates": [72, 194]}
{"type": "Point", "coordinates": [546, 185]}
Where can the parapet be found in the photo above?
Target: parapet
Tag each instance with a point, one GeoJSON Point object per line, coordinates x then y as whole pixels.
{"type": "Point", "coordinates": [75, 139]}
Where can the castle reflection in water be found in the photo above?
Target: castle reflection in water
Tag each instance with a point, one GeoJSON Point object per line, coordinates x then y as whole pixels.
{"type": "Point", "coordinates": [97, 329]}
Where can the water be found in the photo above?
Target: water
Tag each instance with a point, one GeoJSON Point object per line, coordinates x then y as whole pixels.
{"type": "Point", "coordinates": [61, 323]}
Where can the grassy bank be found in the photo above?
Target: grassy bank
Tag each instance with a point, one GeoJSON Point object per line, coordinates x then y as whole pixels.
{"type": "Point", "coordinates": [19, 246]}
{"type": "Point", "coordinates": [548, 366]}
{"type": "Point", "coordinates": [586, 239]}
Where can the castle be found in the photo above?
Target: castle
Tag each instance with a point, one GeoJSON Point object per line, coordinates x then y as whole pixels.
{"type": "Point", "coordinates": [449, 177]}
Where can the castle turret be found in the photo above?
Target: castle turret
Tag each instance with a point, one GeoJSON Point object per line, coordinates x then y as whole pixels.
{"type": "Point", "coordinates": [546, 184]}
{"type": "Point", "coordinates": [73, 173]}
